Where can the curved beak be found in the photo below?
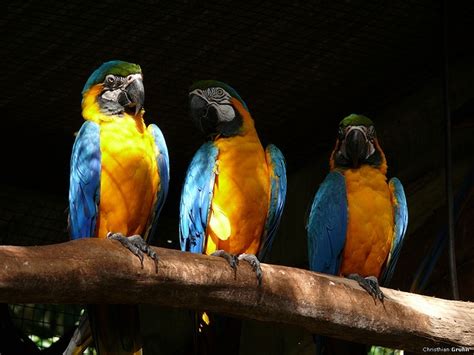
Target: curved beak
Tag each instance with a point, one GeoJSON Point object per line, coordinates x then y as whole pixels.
{"type": "Point", "coordinates": [203, 114]}
{"type": "Point", "coordinates": [136, 92]}
{"type": "Point", "coordinates": [356, 146]}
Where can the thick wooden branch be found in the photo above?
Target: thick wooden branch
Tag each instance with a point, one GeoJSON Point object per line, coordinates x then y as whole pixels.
{"type": "Point", "coordinates": [102, 271]}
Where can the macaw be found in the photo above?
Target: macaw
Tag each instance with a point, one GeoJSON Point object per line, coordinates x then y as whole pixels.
{"type": "Point", "coordinates": [357, 221]}
{"type": "Point", "coordinates": [234, 191]}
{"type": "Point", "coordinates": [119, 180]}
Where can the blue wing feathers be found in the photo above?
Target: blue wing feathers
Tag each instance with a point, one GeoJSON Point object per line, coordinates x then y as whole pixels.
{"type": "Point", "coordinates": [400, 227]}
{"type": "Point", "coordinates": [163, 164]}
{"type": "Point", "coordinates": [278, 184]}
{"type": "Point", "coordinates": [326, 228]}
{"type": "Point", "coordinates": [327, 225]}
{"type": "Point", "coordinates": [84, 181]}
{"type": "Point", "coordinates": [196, 198]}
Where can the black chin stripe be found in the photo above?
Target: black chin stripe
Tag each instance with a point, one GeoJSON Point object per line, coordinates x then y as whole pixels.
{"type": "Point", "coordinates": [374, 160]}
{"type": "Point", "coordinates": [110, 107]}
{"type": "Point", "coordinates": [231, 128]}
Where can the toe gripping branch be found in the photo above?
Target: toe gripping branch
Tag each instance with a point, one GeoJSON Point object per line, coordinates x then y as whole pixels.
{"type": "Point", "coordinates": [230, 258]}
{"type": "Point", "coordinates": [255, 263]}
{"type": "Point", "coordinates": [137, 245]}
{"type": "Point", "coordinates": [370, 284]}
{"type": "Point", "coordinates": [233, 261]}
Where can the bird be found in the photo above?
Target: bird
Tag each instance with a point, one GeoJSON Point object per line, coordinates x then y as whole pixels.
{"type": "Point", "coordinates": [358, 220]}
{"type": "Point", "coordinates": [234, 191]}
{"type": "Point", "coordinates": [119, 177]}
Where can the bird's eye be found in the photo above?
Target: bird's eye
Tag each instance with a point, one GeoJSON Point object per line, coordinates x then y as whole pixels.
{"type": "Point", "coordinates": [219, 92]}
{"type": "Point", "coordinates": [129, 78]}
{"type": "Point", "coordinates": [109, 79]}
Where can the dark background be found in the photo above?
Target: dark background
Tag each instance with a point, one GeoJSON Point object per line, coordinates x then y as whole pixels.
{"type": "Point", "coordinates": [300, 66]}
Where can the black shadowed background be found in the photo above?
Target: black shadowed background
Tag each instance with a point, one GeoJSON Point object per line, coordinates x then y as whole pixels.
{"type": "Point", "coordinates": [300, 66]}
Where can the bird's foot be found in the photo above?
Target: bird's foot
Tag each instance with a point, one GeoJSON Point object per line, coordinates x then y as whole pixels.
{"type": "Point", "coordinates": [255, 263]}
{"type": "Point", "coordinates": [231, 259]}
{"type": "Point", "coordinates": [370, 284]}
{"type": "Point", "coordinates": [137, 245]}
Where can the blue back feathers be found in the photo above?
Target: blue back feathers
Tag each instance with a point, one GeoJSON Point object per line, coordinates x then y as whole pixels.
{"type": "Point", "coordinates": [84, 184]}
{"type": "Point", "coordinates": [278, 186]}
{"type": "Point", "coordinates": [400, 227]}
{"type": "Point", "coordinates": [327, 225]}
{"type": "Point", "coordinates": [163, 164]}
{"type": "Point", "coordinates": [196, 198]}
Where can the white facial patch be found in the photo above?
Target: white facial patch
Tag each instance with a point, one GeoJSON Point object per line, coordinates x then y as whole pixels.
{"type": "Point", "coordinates": [225, 112]}
{"type": "Point", "coordinates": [111, 95]}
{"type": "Point", "coordinates": [371, 150]}
{"type": "Point", "coordinates": [220, 100]}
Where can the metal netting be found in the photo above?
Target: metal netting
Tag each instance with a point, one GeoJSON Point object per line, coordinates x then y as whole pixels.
{"type": "Point", "coordinates": [34, 218]}
{"type": "Point", "coordinates": [44, 324]}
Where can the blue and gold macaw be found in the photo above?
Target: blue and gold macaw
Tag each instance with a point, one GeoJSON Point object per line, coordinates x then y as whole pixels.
{"type": "Point", "coordinates": [357, 221]}
{"type": "Point", "coordinates": [118, 183]}
{"type": "Point", "coordinates": [234, 191]}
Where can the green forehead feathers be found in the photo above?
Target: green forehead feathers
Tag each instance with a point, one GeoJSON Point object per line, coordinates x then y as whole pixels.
{"type": "Point", "coordinates": [356, 120]}
{"type": "Point", "coordinates": [114, 67]}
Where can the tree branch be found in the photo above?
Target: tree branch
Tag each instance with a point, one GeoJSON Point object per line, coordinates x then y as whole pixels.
{"type": "Point", "coordinates": [102, 271]}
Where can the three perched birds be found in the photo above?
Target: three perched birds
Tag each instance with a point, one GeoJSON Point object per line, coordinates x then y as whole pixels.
{"type": "Point", "coordinates": [233, 194]}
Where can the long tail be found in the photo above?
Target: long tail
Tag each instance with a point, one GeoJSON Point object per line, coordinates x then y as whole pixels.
{"type": "Point", "coordinates": [115, 329]}
{"type": "Point", "coordinates": [82, 337]}
{"type": "Point", "coordinates": [215, 334]}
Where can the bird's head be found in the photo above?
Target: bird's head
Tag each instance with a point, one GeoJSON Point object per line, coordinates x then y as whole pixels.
{"type": "Point", "coordinates": [116, 87]}
{"type": "Point", "coordinates": [216, 108]}
{"type": "Point", "coordinates": [357, 144]}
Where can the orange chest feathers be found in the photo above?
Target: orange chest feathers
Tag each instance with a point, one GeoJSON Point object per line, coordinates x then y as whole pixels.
{"type": "Point", "coordinates": [240, 196]}
{"type": "Point", "coordinates": [129, 177]}
{"type": "Point", "coordinates": [371, 222]}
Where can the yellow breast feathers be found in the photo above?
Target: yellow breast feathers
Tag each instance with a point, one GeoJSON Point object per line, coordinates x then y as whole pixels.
{"type": "Point", "coordinates": [370, 226]}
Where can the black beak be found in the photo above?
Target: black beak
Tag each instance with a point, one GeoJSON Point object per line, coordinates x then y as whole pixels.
{"type": "Point", "coordinates": [136, 94]}
{"type": "Point", "coordinates": [203, 115]}
{"type": "Point", "coordinates": [356, 147]}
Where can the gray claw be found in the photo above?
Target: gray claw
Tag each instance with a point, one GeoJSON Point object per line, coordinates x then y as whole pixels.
{"type": "Point", "coordinates": [136, 245]}
{"type": "Point", "coordinates": [231, 259]}
{"type": "Point", "coordinates": [255, 263]}
{"type": "Point", "coordinates": [370, 284]}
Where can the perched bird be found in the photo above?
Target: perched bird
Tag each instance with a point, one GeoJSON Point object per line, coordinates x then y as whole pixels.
{"type": "Point", "coordinates": [357, 220]}
{"type": "Point", "coordinates": [118, 183]}
{"type": "Point", "coordinates": [234, 190]}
